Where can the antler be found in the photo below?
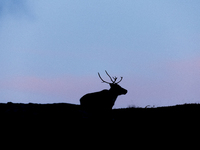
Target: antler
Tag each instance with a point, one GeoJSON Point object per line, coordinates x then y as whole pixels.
{"type": "Point", "coordinates": [120, 80]}
{"type": "Point", "coordinates": [102, 79]}
{"type": "Point", "coordinates": [109, 76]}
{"type": "Point", "coordinates": [113, 80]}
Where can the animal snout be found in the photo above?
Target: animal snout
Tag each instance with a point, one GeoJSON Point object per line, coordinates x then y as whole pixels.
{"type": "Point", "coordinates": [125, 91]}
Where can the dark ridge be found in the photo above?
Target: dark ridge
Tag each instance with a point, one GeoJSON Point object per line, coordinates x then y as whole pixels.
{"type": "Point", "coordinates": [31, 111]}
{"type": "Point", "coordinates": [64, 112]}
{"type": "Point", "coordinates": [185, 112]}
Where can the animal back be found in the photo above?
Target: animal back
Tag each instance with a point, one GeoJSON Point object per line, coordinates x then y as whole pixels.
{"type": "Point", "coordinates": [99, 100]}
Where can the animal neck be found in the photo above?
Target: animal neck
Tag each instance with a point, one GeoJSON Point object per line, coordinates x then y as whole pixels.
{"type": "Point", "coordinates": [113, 93]}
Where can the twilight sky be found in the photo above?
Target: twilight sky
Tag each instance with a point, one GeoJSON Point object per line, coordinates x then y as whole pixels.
{"type": "Point", "coordinates": [52, 50]}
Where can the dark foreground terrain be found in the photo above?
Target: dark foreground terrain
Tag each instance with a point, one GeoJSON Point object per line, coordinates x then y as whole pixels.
{"type": "Point", "coordinates": [64, 112]}
{"type": "Point", "coordinates": [68, 123]}
{"type": "Point", "coordinates": [64, 125]}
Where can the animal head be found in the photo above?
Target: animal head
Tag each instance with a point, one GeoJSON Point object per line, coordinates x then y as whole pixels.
{"type": "Point", "coordinates": [114, 85]}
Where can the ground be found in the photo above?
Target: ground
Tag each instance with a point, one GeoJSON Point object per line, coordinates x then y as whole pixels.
{"type": "Point", "coordinates": [64, 112]}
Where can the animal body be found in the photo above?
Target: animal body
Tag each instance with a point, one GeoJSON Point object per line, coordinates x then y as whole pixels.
{"type": "Point", "coordinates": [103, 100]}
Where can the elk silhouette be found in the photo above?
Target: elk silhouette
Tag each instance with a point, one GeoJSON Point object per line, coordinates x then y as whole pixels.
{"type": "Point", "coordinates": [105, 99]}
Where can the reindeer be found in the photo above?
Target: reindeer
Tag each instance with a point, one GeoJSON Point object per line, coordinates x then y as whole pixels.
{"type": "Point", "coordinates": [103, 100]}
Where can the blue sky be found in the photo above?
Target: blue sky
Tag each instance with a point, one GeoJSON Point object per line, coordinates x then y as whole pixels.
{"type": "Point", "coordinates": [52, 50]}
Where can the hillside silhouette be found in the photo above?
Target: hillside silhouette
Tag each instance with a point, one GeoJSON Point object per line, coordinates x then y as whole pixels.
{"type": "Point", "coordinates": [64, 112]}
